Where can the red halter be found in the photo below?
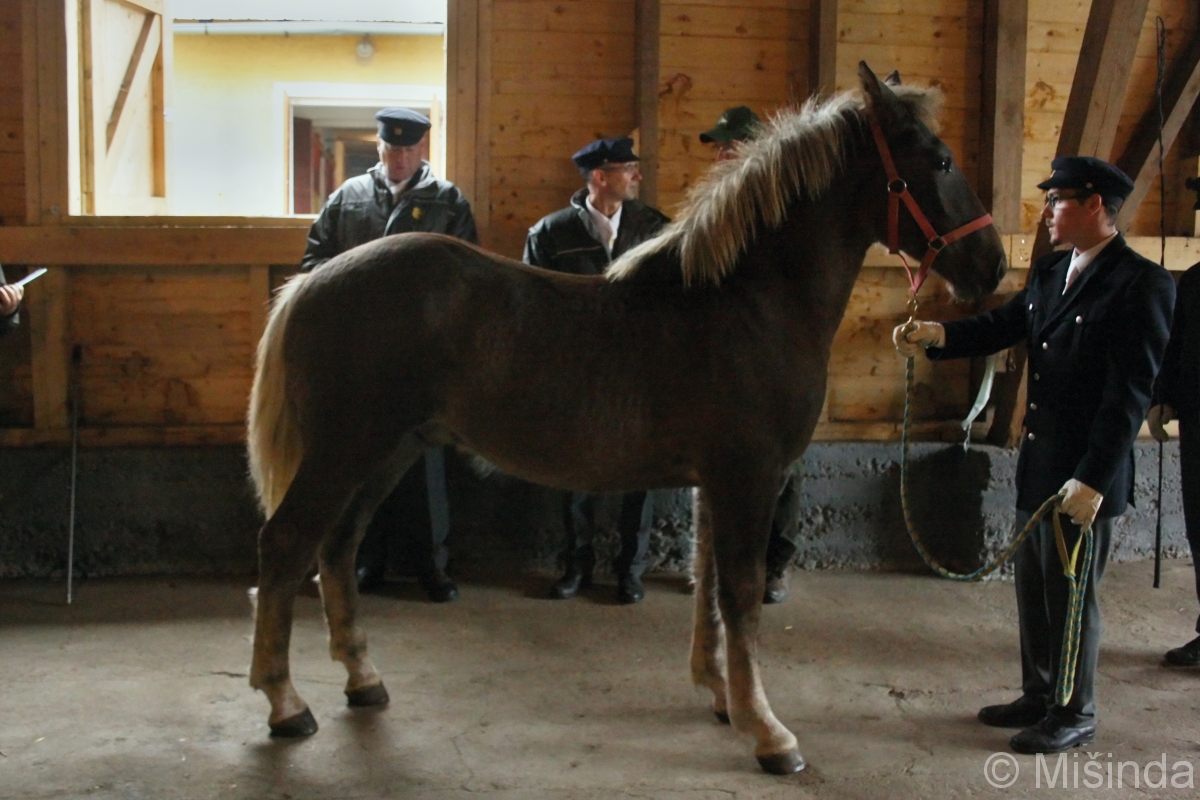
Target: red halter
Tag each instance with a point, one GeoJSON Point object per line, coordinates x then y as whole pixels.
{"type": "Point", "coordinates": [897, 191]}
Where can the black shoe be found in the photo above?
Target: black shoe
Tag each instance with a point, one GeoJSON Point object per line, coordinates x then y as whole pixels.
{"type": "Point", "coordinates": [630, 590]}
{"type": "Point", "coordinates": [1186, 656]}
{"type": "Point", "coordinates": [777, 588]}
{"type": "Point", "coordinates": [439, 587]}
{"type": "Point", "coordinates": [1052, 736]}
{"type": "Point", "coordinates": [570, 583]}
{"type": "Point", "coordinates": [369, 578]}
{"type": "Point", "coordinates": [1020, 713]}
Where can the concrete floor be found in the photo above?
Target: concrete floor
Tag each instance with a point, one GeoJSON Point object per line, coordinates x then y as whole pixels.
{"type": "Point", "coordinates": [139, 691]}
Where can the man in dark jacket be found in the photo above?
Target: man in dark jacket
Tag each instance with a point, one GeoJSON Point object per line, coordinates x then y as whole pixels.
{"type": "Point", "coordinates": [398, 195]}
{"type": "Point", "coordinates": [10, 305]}
{"type": "Point", "coordinates": [1178, 396]}
{"type": "Point", "coordinates": [1096, 320]}
{"type": "Point", "coordinates": [603, 221]}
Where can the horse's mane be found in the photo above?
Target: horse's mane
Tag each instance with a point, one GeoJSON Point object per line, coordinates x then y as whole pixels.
{"type": "Point", "coordinates": [800, 152]}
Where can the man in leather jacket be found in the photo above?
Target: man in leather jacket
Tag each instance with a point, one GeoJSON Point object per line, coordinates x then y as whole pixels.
{"type": "Point", "coordinates": [398, 195]}
{"type": "Point", "coordinates": [1178, 396]}
{"type": "Point", "coordinates": [603, 221]}
{"type": "Point", "coordinates": [1096, 319]}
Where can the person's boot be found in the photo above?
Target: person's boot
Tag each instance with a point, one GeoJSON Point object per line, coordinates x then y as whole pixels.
{"type": "Point", "coordinates": [630, 589]}
{"type": "Point", "coordinates": [777, 587]}
{"type": "Point", "coordinates": [575, 578]}
{"type": "Point", "coordinates": [1186, 656]}
{"type": "Point", "coordinates": [438, 586]}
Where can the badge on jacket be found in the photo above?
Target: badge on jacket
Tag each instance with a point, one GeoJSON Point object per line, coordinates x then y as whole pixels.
{"type": "Point", "coordinates": [416, 213]}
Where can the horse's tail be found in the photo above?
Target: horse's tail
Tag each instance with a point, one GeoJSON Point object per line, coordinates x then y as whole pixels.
{"type": "Point", "coordinates": [272, 435]}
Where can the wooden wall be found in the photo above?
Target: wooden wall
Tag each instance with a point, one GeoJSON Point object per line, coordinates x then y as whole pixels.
{"type": "Point", "coordinates": [166, 312]}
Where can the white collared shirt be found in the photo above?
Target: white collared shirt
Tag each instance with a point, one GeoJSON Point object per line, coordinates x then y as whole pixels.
{"type": "Point", "coordinates": [1080, 261]}
{"type": "Point", "coordinates": [608, 226]}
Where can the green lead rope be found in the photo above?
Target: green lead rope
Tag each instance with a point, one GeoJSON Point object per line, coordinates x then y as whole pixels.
{"type": "Point", "coordinates": [1076, 574]}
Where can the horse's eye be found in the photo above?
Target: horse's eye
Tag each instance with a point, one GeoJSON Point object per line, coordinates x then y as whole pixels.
{"type": "Point", "coordinates": [945, 164]}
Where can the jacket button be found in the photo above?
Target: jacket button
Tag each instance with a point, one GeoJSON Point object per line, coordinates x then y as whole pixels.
{"type": "Point", "coordinates": [1033, 406]}
{"type": "Point", "coordinates": [1045, 345]}
{"type": "Point", "coordinates": [1031, 306]}
{"type": "Point", "coordinates": [1037, 377]}
{"type": "Point", "coordinates": [1079, 320]}
{"type": "Point", "coordinates": [1030, 436]}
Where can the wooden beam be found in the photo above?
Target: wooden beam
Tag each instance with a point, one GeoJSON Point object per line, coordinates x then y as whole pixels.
{"type": "Point", "coordinates": [151, 245]}
{"type": "Point", "coordinates": [647, 50]}
{"type": "Point", "coordinates": [29, 68]}
{"type": "Point", "coordinates": [46, 301]}
{"type": "Point", "coordinates": [822, 47]}
{"type": "Point", "coordinates": [44, 65]}
{"type": "Point", "coordinates": [468, 104]}
{"type": "Point", "coordinates": [1181, 87]}
{"type": "Point", "coordinates": [1002, 127]}
{"type": "Point", "coordinates": [135, 72]}
{"type": "Point", "coordinates": [131, 436]}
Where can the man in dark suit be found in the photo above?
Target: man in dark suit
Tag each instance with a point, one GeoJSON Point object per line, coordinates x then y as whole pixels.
{"type": "Point", "coordinates": [603, 221]}
{"type": "Point", "coordinates": [1178, 396]}
{"type": "Point", "coordinates": [1096, 319]}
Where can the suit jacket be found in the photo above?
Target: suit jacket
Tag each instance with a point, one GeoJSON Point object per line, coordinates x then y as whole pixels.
{"type": "Point", "coordinates": [363, 210]}
{"type": "Point", "coordinates": [1093, 355]}
{"type": "Point", "coordinates": [1179, 381]}
{"type": "Point", "coordinates": [567, 240]}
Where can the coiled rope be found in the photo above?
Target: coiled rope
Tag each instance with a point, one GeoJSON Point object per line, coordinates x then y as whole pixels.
{"type": "Point", "coordinates": [1076, 573]}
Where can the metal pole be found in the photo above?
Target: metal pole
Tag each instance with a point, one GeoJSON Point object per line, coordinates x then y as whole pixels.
{"type": "Point", "coordinates": [1158, 525]}
{"type": "Point", "coordinates": [76, 357]}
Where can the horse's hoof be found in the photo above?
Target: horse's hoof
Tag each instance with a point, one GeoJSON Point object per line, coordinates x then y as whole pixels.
{"type": "Point", "coordinates": [722, 717]}
{"type": "Point", "coordinates": [363, 696]}
{"type": "Point", "coordinates": [782, 763]}
{"type": "Point", "coordinates": [303, 724]}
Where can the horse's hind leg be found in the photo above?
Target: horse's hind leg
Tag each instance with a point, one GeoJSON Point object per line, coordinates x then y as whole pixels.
{"type": "Point", "coordinates": [741, 518]}
{"type": "Point", "coordinates": [287, 546]}
{"type": "Point", "coordinates": [708, 632]}
{"type": "Point", "coordinates": [339, 592]}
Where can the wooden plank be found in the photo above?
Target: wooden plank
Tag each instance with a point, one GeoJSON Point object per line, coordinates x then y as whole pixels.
{"type": "Point", "coordinates": [129, 436]}
{"type": "Point", "coordinates": [890, 432]}
{"type": "Point", "coordinates": [647, 49]}
{"type": "Point", "coordinates": [150, 245]}
{"type": "Point", "coordinates": [12, 140]}
{"type": "Point", "coordinates": [616, 16]}
{"type": "Point", "coordinates": [50, 109]}
{"type": "Point", "coordinates": [29, 110]}
{"type": "Point", "coordinates": [733, 22]}
{"type": "Point", "coordinates": [481, 205]}
{"type": "Point", "coordinates": [260, 299]}
{"type": "Point", "coordinates": [46, 301]}
{"type": "Point", "coordinates": [137, 70]}
{"type": "Point", "coordinates": [1181, 87]}
{"type": "Point", "coordinates": [520, 112]}
{"type": "Point", "coordinates": [580, 50]}
{"type": "Point", "coordinates": [822, 47]}
{"type": "Point", "coordinates": [1002, 112]}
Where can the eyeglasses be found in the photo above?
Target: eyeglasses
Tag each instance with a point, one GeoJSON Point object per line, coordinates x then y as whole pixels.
{"type": "Point", "coordinates": [1054, 198]}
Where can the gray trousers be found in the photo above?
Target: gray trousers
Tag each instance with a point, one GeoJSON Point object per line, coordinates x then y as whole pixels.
{"type": "Point", "coordinates": [1042, 595]}
{"type": "Point", "coordinates": [635, 526]}
{"type": "Point", "coordinates": [420, 507]}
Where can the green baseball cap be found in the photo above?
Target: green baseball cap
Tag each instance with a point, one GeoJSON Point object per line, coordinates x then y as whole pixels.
{"type": "Point", "coordinates": [737, 124]}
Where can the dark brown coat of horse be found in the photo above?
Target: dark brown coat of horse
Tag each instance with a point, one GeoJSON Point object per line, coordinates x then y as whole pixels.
{"type": "Point", "coordinates": [699, 360]}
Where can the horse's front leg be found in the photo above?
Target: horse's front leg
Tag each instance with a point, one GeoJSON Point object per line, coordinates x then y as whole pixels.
{"type": "Point", "coordinates": [741, 517]}
{"type": "Point", "coordinates": [708, 632]}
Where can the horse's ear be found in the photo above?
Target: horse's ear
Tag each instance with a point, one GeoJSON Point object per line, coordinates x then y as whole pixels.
{"type": "Point", "coordinates": [893, 79]}
{"type": "Point", "coordinates": [881, 100]}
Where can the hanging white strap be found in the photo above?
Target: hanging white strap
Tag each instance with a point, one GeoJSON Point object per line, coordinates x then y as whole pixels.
{"type": "Point", "coordinates": [981, 399]}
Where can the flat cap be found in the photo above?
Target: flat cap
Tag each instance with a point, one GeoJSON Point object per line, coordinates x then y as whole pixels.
{"type": "Point", "coordinates": [1089, 174]}
{"type": "Point", "coordinates": [737, 124]}
{"type": "Point", "coordinates": [605, 151]}
{"type": "Point", "coordinates": [401, 126]}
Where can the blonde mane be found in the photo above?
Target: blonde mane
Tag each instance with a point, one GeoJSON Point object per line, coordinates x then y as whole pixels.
{"type": "Point", "coordinates": [800, 153]}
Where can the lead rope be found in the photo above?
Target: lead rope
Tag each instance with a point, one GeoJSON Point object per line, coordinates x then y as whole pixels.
{"type": "Point", "coordinates": [1077, 577]}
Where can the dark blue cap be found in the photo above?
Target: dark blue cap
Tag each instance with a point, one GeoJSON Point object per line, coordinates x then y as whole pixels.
{"type": "Point", "coordinates": [605, 151]}
{"type": "Point", "coordinates": [1091, 175]}
{"type": "Point", "coordinates": [401, 126]}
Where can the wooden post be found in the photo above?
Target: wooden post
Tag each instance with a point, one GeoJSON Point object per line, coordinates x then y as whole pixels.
{"type": "Point", "coordinates": [822, 48]}
{"type": "Point", "coordinates": [647, 58]}
{"type": "Point", "coordinates": [468, 104]}
{"type": "Point", "coordinates": [46, 302]}
{"type": "Point", "coordinates": [1003, 111]}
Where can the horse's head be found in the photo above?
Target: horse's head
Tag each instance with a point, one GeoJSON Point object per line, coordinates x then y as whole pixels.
{"type": "Point", "coordinates": [938, 219]}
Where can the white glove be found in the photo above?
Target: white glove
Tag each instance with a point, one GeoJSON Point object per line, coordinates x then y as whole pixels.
{"type": "Point", "coordinates": [1157, 417]}
{"type": "Point", "coordinates": [912, 338]}
{"type": "Point", "coordinates": [1082, 502]}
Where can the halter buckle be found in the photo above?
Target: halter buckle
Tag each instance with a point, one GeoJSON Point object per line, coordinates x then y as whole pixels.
{"type": "Point", "coordinates": [937, 243]}
{"type": "Point", "coordinates": [897, 186]}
